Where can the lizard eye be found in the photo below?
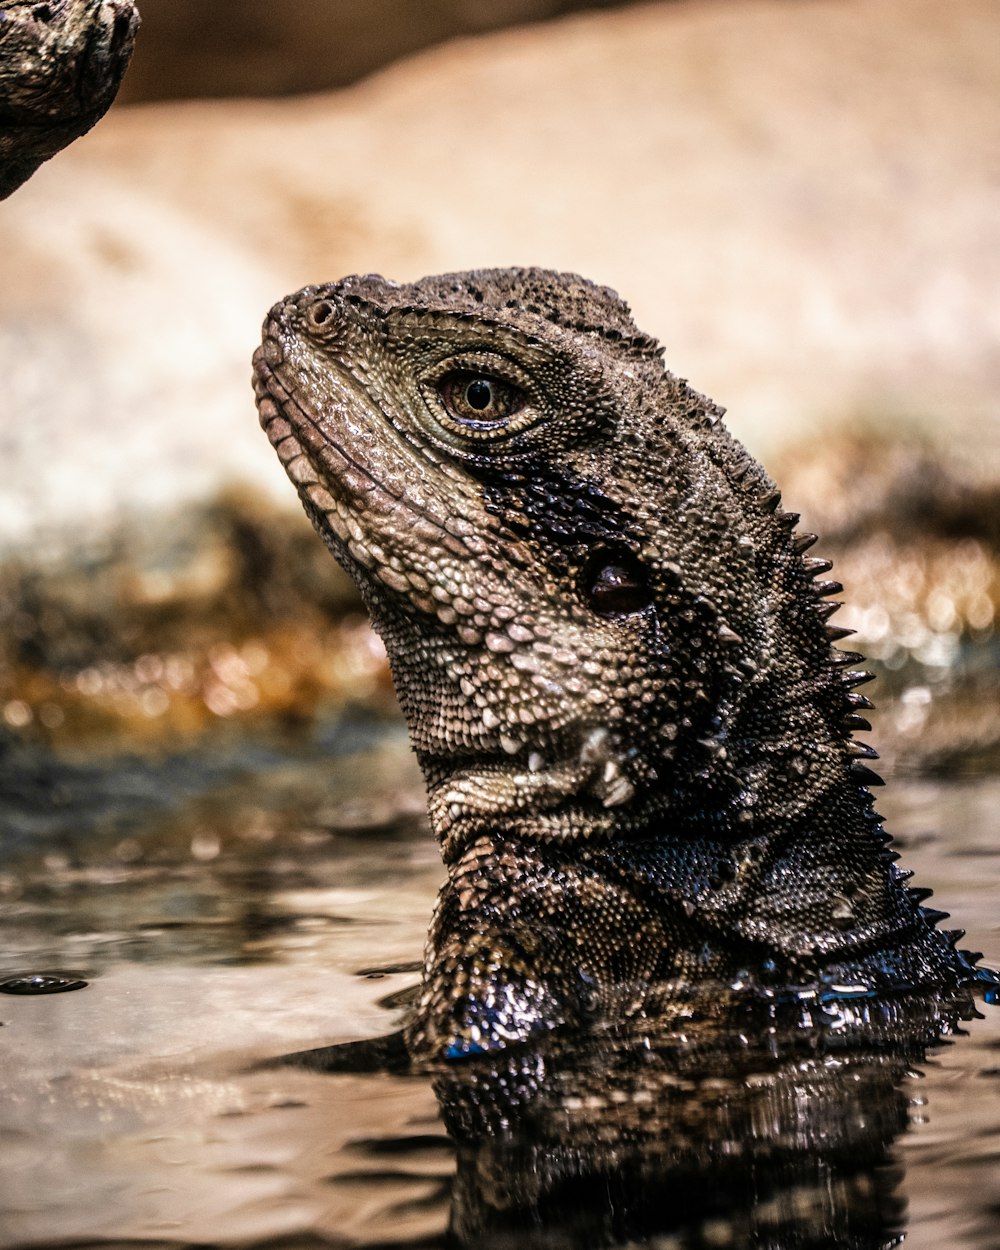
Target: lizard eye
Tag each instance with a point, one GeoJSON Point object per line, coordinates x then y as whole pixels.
{"type": "Point", "coordinates": [614, 583]}
{"type": "Point", "coordinates": [478, 400]}
{"type": "Point", "coordinates": [480, 396]}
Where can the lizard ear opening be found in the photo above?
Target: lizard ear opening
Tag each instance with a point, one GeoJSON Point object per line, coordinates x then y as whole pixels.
{"type": "Point", "coordinates": [614, 583]}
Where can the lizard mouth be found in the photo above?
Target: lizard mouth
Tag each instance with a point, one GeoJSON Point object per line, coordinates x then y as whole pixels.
{"type": "Point", "coordinates": [373, 520]}
{"type": "Point", "coordinates": [308, 454]}
{"type": "Point", "coordinates": [306, 443]}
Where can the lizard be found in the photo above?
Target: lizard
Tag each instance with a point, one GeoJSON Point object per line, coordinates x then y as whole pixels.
{"type": "Point", "coordinates": [61, 64]}
{"type": "Point", "coordinates": [614, 654]}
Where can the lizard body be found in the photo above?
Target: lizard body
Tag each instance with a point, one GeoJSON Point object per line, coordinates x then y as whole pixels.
{"type": "Point", "coordinates": [613, 655]}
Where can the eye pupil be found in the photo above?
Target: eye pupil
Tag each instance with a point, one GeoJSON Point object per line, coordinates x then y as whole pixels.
{"type": "Point", "coordinates": [479, 394]}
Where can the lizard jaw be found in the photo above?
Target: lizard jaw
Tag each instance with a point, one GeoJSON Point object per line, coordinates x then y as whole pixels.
{"type": "Point", "coordinates": [570, 798]}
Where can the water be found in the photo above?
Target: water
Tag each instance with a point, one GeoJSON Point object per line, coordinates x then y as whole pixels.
{"type": "Point", "coordinates": [258, 901]}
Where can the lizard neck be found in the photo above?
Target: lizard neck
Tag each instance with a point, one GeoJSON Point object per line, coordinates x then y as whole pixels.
{"type": "Point", "coordinates": [720, 832]}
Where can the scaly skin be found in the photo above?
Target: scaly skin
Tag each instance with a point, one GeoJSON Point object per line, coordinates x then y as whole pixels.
{"type": "Point", "coordinates": [611, 651]}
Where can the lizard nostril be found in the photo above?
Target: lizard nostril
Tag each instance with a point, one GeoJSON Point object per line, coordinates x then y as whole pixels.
{"type": "Point", "coordinates": [319, 314]}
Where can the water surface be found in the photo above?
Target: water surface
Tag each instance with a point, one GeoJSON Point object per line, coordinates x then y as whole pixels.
{"type": "Point", "coordinates": [257, 900]}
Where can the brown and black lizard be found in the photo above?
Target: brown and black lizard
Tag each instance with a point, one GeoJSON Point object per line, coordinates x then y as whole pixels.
{"type": "Point", "coordinates": [614, 655]}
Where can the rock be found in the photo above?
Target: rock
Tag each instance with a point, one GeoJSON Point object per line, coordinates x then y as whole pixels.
{"type": "Point", "coordinates": [60, 66]}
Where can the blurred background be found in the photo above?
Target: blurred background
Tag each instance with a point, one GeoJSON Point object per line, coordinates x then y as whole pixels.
{"type": "Point", "coordinates": [800, 198]}
{"type": "Point", "coordinates": [208, 806]}
{"type": "Point", "coordinates": [255, 48]}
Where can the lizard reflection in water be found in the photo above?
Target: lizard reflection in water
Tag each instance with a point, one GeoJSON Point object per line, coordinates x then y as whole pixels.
{"type": "Point", "coordinates": [695, 1131]}
{"type": "Point", "coordinates": [614, 657]}
{"type": "Point", "coordinates": [740, 1124]}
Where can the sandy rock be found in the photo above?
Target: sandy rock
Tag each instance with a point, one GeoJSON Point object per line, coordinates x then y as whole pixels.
{"type": "Point", "coordinates": [797, 199]}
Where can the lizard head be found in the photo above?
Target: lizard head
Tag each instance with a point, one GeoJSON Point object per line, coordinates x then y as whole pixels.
{"type": "Point", "coordinates": [560, 544]}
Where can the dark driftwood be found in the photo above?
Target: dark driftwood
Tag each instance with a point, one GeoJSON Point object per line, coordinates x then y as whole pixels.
{"type": "Point", "coordinates": [61, 64]}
